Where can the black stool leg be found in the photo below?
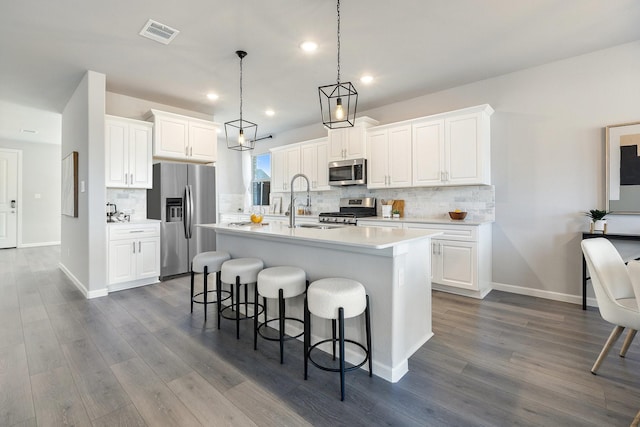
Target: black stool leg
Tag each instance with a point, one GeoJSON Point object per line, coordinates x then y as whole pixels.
{"type": "Point", "coordinates": [218, 295]}
{"type": "Point", "coordinates": [307, 333]}
{"type": "Point", "coordinates": [206, 273]}
{"type": "Point", "coordinates": [341, 326]}
{"type": "Point", "coordinates": [246, 300]}
{"type": "Point", "coordinates": [255, 319]}
{"type": "Point", "coordinates": [368, 327]}
{"type": "Point", "coordinates": [192, 286]}
{"type": "Point", "coordinates": [333, 335]}
{"type": "Point", "coordinates": [281, 316]}
{"type": "Point", "coordinates": [238, 307]}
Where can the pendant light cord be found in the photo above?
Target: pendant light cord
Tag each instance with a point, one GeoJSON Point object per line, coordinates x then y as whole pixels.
{"type": "Point", "coordinates": [241, 93]}
{"type": "Point", "coordinates": [338, 8]}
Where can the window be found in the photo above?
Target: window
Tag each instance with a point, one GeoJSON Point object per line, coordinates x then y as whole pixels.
{"type": "Point", "coordinates": [261, 177]}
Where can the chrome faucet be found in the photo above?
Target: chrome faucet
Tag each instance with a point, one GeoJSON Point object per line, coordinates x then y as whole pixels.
{"type": "Point", "coordinates": [292, 209]}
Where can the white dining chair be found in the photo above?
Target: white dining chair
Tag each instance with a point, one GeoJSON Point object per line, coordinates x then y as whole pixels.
{"type": "Point", "coordinates": [614, 290]}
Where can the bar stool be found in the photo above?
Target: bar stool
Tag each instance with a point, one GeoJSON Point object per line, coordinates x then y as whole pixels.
{"type": "Point", "coordinates": [240, 272]}
{"type": "Point", "coordinates": [336, 299]}
{"type": "Point", "coordinates": [278, 283]}
{"type": "Point", "coordinates": [208, 262]}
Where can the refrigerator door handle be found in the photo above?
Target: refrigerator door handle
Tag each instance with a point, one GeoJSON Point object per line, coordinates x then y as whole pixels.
{"type": "Point", "coordinates": [190, 211]}
{"type": "Point", "coordinates": [185, 209]}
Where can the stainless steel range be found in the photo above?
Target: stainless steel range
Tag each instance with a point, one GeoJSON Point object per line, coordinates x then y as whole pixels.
{"type": "Point", "coordinates": [350, 210]}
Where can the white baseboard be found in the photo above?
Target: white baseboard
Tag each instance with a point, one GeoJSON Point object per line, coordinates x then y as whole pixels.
{"type": "Point", "coordinates": [539, 293]}
{"type": "Point", "coordinates": [87, 294]}
{"type": "Point", "coordinates": [35, 245]}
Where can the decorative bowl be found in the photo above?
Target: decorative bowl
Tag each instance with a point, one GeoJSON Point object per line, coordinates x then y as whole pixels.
{"type": "Point", "coordinates": [457, 215]}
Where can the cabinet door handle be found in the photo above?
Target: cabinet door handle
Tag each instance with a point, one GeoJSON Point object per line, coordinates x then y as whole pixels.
{"type": "Point", "coordinates": [134, 247]}
{"type": "Point", "coordinates": [186, 151]}
{"type": "Point", "coordinates": [191, 151]}
{"type": "Point", "coordinates": [139, 246]}
{"type": "Point", "coordinates": [131, 181]}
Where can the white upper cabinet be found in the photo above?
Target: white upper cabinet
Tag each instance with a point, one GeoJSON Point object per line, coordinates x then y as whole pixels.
{"type": "Point", "coordinates": [128, 153]}
{"type": "Point", "coordinates": [350, 142]}
{"type": "Point", "coordinates": [314, 164]}
{"type": "Point", "coordinates": [285, 163]}
{"type": "Point", "coordinates": [184, 138]}
{"type": "Point", "coordinates": [389, 157]}
{"type": "Point", "coordinates": [453, 148]}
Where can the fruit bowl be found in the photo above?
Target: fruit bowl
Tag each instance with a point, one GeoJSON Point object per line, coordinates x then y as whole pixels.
{"type": "Point", "coordinates": [457, 215]}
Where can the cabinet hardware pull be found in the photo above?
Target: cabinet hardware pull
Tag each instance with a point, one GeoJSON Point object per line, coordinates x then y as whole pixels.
{"type": "Point", "coordinates": [191, 151]}
{"type": "Point", "coordinates": [139, 246]}
{"type": "Point", "coordinates": [131, 179]}
{"type": "Point", "coordinates": [134, 247]}
{"type": "Point", "coordinates": [186, 151]}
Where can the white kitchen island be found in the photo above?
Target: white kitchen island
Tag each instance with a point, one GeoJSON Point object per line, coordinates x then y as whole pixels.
{"type": "Point", "coordinates": [392, 264]}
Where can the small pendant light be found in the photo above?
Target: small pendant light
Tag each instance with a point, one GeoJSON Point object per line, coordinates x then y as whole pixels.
{"type": "Point", "coordinates": [241, 134]}
{"type": "Point", "coordinates": [338, 102]}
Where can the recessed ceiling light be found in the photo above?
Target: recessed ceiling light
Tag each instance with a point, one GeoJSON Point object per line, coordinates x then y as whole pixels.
{"type": "Point", "coordinates": [212, 96]}
{"type": "Point", "coordinates": [366, 79]}
{"type": "Point", "coordinates": [270, 112]}
{"type": "Point", "coordinates": [308, 46]}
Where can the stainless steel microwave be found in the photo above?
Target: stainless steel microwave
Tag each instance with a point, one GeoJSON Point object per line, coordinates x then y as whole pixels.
{"type": "Point", "coordinates": [348, 172]}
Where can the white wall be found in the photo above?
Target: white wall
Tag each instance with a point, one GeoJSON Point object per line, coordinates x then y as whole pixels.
{"type": "Point", "coordinates": [547, 158]}
{"type": "Point", "coordinates": [83, 242]}
{"type": "Point", "coordinates": [40, 176]}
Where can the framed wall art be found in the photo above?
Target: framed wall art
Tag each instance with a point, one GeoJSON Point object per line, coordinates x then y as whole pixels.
{"type": "Point", "coordinates": [70, 185]}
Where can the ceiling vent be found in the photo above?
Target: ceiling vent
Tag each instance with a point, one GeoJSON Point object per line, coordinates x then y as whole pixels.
{"type": "Point", "coordinates": [158, 32]}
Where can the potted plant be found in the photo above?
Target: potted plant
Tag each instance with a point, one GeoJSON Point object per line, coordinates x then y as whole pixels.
{"type": "Point", "coordinates": [396, 213]}
{"type": "Point", "coordinates": [598, 221]}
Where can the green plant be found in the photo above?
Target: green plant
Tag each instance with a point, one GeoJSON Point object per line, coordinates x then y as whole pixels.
{"type": "Point", "coordinates": [596, 214]}
{"type": "Point", "coordinates": [396, 212]}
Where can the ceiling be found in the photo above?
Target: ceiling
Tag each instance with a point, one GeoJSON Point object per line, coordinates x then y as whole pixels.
{"type": "Point", "coordinates": [411, 47]}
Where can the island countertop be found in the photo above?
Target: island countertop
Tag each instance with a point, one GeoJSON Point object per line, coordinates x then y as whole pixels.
{"type": "Point", "coordinates": [362, 237]}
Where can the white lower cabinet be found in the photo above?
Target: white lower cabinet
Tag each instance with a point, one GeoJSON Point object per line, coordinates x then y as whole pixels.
{"type": "Point", "coordinates": [460, 256]}
{"type": "Point", "coordinates": [134, 255]}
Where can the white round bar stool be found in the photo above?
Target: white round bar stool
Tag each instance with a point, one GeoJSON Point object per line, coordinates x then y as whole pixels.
{"type": "Point", "coordinates": [240, 272]}
{"type": "Point", "coordinates": [278, 283]}
{"type": "Point", "coordinates": [336, 299]}
{"type": "Point", "coordinates": [208, 262]}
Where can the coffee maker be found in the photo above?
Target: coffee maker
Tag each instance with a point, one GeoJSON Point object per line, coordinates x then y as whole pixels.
{"type": "Point", "coordinates": [112, 211]}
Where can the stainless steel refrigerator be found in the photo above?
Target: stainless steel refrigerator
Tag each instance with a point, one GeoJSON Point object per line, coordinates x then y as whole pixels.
{"type": "Point", "coordinates": [182, 196]}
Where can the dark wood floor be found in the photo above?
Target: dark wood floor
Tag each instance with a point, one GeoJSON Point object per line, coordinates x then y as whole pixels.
{"type": "Point", "coordinates": [137, 357]}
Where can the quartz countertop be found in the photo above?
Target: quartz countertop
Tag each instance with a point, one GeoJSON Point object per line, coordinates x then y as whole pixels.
{"type": "Point", "coordinates": [363, 237]}
{"type": "Point", "coordinates": [421, 220]}
{"type": "Point", "coordinates": [135, 222]}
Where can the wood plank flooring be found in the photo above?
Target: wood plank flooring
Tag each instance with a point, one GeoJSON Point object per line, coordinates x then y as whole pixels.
{"type": "Point", "coordinates": [138, 357]}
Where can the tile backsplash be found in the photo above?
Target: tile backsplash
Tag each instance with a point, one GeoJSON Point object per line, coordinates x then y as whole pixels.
{"type": "Point", "coordinates": [429, 202]}
{"type": "Point", "coordinates": [129, 200]}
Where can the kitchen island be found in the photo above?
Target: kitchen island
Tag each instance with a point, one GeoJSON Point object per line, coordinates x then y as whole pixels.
{"type": "Point", "coordinates": [392, 264]}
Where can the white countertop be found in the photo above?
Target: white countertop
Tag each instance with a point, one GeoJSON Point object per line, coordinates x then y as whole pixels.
{"type": "Point", "coordinates": [421, 220]}
{"type": "Point", "coordinates": [135, 222]}
{"type": "Point", "coordinates": [363, 237]}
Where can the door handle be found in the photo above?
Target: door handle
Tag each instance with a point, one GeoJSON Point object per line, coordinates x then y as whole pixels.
{"type": "Point", "coordinates": [13, 204]}
{"type": "Point", "coordinates": [139, 246]}
{"type": "Point", "coordinates": [134, 247]}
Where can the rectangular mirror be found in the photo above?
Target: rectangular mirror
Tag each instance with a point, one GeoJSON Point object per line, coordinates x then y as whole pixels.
{"type": "Point", "coordinates": [623, 168]}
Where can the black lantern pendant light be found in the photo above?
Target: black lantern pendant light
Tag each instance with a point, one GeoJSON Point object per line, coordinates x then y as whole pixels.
{"type": "Point", "coordinates": [338, 102]}
{"type": "Point", "coordinates": [241, 134]}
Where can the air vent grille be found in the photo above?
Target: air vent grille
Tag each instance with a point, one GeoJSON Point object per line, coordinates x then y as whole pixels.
{"type": "Point", "coordinates": [158, 32]}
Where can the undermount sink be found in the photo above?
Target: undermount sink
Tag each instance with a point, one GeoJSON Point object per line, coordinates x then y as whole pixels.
{"type": "Point", "coordinates": [318, 226]}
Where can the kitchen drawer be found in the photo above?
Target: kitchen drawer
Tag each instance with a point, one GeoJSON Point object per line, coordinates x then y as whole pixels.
{"type": "Point", "coordinates": [466, 233]}
{"type": "Point", "coordinates": [133, 231]}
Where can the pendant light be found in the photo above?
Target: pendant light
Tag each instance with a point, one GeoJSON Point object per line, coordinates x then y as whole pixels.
{"type": "Point", "coordinates": [338, 101]}
{"type": "Point", "coordinates": [241, 134]}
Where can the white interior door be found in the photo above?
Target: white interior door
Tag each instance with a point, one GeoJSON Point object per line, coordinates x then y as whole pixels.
{"type": "Point", "coordinates": [8, 199]}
